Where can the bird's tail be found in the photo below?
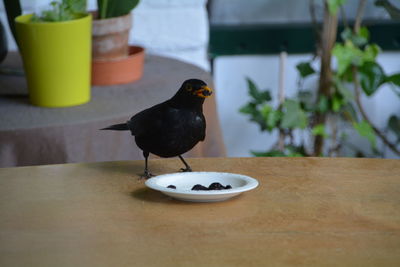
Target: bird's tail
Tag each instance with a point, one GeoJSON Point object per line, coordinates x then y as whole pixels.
{"type": "Point", "coordinates": [117, 127]}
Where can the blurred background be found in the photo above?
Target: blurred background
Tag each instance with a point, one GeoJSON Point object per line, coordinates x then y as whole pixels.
{"type": "Point", "coordinates": [240, 40]}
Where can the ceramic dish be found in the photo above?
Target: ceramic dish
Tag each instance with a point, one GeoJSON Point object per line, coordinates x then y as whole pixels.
{"type": "Point", "coordinates": [184, 182]}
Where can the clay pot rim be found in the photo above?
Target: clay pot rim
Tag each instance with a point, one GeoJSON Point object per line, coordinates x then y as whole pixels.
{"type": "Point", "coordinates": [134, 51]}
{"type": "Point", "coordinates": [97, 20]}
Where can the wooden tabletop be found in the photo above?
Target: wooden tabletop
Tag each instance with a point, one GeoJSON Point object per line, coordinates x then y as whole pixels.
{"type": "Point", "coordinates": [306, 212]}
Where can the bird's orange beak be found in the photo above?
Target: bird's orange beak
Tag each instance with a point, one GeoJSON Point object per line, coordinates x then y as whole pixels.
{"type": "Point", "coordinates": [204, 92]}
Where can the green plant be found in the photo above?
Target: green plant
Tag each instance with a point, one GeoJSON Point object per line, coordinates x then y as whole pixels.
{"type": "Point", "coordinates": [334, 111]}
{"type": "Point", "coordinates": [115, 8]}
{"type": "Point", "coordinates": [63, 10]}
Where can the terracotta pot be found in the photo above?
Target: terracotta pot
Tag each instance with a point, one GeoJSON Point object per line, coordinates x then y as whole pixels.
{"type": "Point", "coordinates": [110, 37]}
{"type": "Point", "coordinates": [119, 71]}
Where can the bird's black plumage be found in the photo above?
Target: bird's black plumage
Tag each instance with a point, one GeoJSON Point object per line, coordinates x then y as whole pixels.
{"type": "Point", "coordinates": [173, 127]}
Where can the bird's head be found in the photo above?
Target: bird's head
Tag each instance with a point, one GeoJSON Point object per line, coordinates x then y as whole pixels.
{"type": "Point", "coordinates": [191, 94]}
{"type": "Point", "coordinates": [196, 88]}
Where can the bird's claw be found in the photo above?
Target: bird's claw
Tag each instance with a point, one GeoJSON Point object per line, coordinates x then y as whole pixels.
{"type": "Point", "coordinates": [186, 169]}
{"type": "Point", "coordinates": [146, 175]}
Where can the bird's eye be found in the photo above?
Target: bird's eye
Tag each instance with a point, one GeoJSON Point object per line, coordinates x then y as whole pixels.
{"type": "Point", "coordinates": [189, 87]}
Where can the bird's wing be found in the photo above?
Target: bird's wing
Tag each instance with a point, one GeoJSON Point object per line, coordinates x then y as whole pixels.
{"type": "Point", "coordinates": [147, 120]}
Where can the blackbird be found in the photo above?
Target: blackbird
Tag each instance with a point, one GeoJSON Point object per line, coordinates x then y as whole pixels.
{"type": "Point", "coordinates": [170, 128]}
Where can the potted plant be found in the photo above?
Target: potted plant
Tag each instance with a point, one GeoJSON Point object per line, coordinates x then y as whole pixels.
{"type": "Point", "coordinates": [55, 48]}
{"type": "Point", "coordinates": [114, 61]}
{"type": "Point", "coordinates": [56, 52]}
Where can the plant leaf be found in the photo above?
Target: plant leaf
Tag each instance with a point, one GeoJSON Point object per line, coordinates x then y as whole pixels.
{"type": "Point", "coordinates": [319, 130]}
{"type": "Point", "coordinates": [349, 113]}
{"type": "Point", "coordinates": [395, 79]}
{"type": "Point", "coordinates": [371, 51]}
{"type": "Point", "coordinates": [365, 130]}
{"type": "Point", "coordinates": [333, 5]}
{"type": "Point", "coordinates": [323, 104]}
{"type": "Point", "coordinates": [371, 77]}
{"type": "Point", "coordinates": [305, 69]}
{"type": "Point", "coordinates": [394, 125]}
{"type": "Point", "coordinates": [272, 153]}
{"type": "Point", "coordinates": [257, 95]}
{"type": "Point", "coordinates": [306, 99]}
{"type": "Point", "coordinates": [293, 115]}
{"type": "Point", "coordinates": [359, 39]}
{"type": "Point", "coordinates": [249, 108]}
{"type": "Point", "coordinates": [116, 8]}
{"type": "Point", "coordinates": [342, 89]}
{"type": "Point", "coordinates": [337, 103]}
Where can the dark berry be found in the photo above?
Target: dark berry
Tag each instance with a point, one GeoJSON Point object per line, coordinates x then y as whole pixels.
{"type": "Point", "coordinates": [228, 186]}
{"type": "Point", "coordinates": [198, 187]}
{"type": "Point", "coordinates": [171, 186]}
{"type": "Point", "coordinates": [216, 186]}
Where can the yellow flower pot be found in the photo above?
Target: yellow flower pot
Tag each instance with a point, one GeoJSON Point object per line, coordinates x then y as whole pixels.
{"type": "Point", "coordinates": [57, 60]}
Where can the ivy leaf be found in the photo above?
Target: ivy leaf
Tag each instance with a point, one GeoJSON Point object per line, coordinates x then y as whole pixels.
{"type": "Point", "coordinates": [253, 90]}
{"type": "Point", "coordinates": [346, 34]}
{"type": "Point", "coordinates": [258, 96]}
{"type": "Point", "coordinates": [371, 77]}
{"type": "Point", "coordinates": [272, 153]}
{"type": "Point", "coordinates": [333, 5]}
{"type": "Point", "coordinates": [371, 51]}
{"type": "Point", "coordinates": [319, 130]}
{"type": "Point", "coordinates": [323, 104]}
{"type": "Point", "coordinates": [342, 89]}
{"type": "Point", "coordinates": [305, 69]}
{"type": "Point", "coordinates": [359, 39]}
{"type": "Point", "coordinates": [249, 108]}
{"type": "Point", "coordinates": [306, 99]}
{"type": "Point", "coordinates": [349, 113]}
{"type": "Point", "coordinates": [365, 130]}
{"type": "Point", "coordinates": [293, 116]}
{"type": "Point", "coordinates": [395, 79]}
{"type": "Point", "coordinates": [394, 125]}
{"type": "Point", "coordinates": [337, 103]}
{"type": "Point", "coordinates": [347, 54]}
{"type": "Point", "coordinates": [270, 116]}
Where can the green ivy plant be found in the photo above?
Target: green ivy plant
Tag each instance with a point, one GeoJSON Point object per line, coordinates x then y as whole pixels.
{"type": "Point", "coordinates": [115, 8]}
{"type": "Point", "coordinates": [338, 105]}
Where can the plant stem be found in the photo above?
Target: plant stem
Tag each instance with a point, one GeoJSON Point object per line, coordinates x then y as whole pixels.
{"type": "Point", "coordinates": [365, 116]}
{"type": "Point", "coordinates": [316, 27]}
{"type": "Point", "coordinates": [282, 66]}
{"type": "Point", "coordinates": [328, 39]}
{"type": "Point", "coordinates": [334, 144]}
{"type": "Point", "coordinates": [360, 12]}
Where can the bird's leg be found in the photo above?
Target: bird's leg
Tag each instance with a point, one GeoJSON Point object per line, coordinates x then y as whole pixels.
{"type": "Point", "coordinates": [146, 174]}
{"type": "Point", "coordinates": [187, 169]}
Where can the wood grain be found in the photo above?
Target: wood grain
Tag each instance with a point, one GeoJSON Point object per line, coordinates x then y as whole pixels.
{"type": "Point", "coordinates": [306, 212]}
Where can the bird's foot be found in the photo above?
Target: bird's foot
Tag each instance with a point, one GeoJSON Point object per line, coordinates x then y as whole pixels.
{"type": "Point", "coordinates": [188, 169]}
{"type": "Point", "coordinates": [146, 175]}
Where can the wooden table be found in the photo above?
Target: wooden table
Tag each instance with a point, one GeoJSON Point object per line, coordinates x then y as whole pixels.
{"type": "Point", "coordinates": [306, 211]}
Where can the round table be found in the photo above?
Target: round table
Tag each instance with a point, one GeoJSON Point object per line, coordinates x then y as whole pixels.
{"type": "Point", "coordinates": [31, 135]}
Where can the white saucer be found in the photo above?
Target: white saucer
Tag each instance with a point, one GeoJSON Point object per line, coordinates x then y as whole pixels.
{"type": "Point", "coordinates": [184, 181]}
